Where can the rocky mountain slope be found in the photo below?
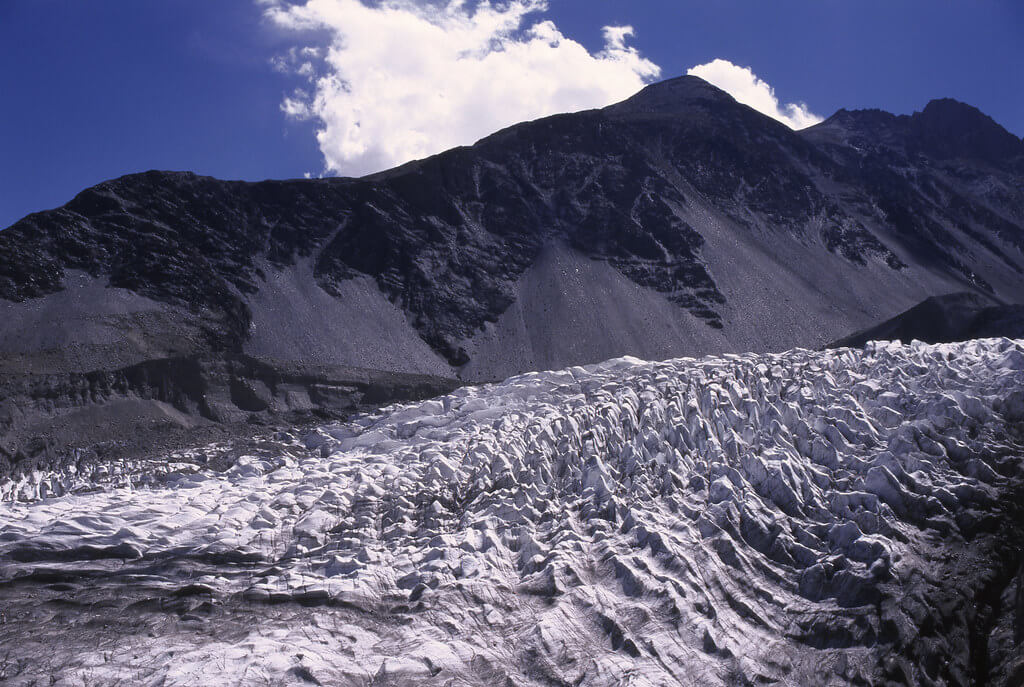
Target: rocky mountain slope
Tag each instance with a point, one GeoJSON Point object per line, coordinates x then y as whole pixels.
{"type": "Point", "coordinates": [845, 517]}
{"type": "Point", "coordinates": [942, 319]}
{"type": "Point", "coordinates": [677, 222]}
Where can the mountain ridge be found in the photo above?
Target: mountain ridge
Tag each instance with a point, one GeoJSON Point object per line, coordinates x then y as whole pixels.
{"type": "Point", "coordinates": [945, 128]}
{"type": "Point", "coordinates": [686, 222]}
{"type": "Point", "coordinates": [119, 208]}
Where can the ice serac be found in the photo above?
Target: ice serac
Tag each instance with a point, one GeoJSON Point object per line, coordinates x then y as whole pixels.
{"type": "Point", "coordinates": [844, 517]}
{"type": "Point", "coordinates": [741, 234]}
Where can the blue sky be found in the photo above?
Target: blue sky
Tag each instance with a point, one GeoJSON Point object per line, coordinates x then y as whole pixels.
{"type": "Point", "coordinates": [93, 90]}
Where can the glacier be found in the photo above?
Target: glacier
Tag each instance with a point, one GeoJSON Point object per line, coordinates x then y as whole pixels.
{"type": "Point", "coordinates": [840, 517]}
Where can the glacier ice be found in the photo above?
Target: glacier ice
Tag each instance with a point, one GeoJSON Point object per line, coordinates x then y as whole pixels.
{"type": "Point", "coordinates": [835, 517]}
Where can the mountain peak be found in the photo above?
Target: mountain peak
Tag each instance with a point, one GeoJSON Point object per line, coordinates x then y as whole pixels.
{"type": "Point", "coordinates": [851, 126]}
{"type": "Point", "coordinates": [858, 119]}
{"type": "Point", "coordinates": [945, 129]}
{"type": "Point", "coordinates": [671, 96]}
{"type": "Point", "coordinates": [951, 109]}
{"type": "Point", "coordinates": [949, 128]}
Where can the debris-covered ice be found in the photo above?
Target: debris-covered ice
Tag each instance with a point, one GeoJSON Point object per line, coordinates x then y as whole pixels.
{"type": "Point", "coordinates": [836, 517]}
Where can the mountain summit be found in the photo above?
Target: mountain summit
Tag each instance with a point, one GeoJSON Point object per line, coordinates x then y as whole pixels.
{"type": "Point", "coordinates": [672, 96]}
{"type": "Point", "coordinates": [945, 129]}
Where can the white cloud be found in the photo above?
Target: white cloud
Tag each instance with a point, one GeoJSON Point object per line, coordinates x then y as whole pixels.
{"type": "Point", "coordinates": [296, 61]}
{"type": "Point", "coordinates": [400, 79]}
{"type": "Point", "coordinates": [297, 107]}
{"type": "Point", "coordinates": [743, 85]}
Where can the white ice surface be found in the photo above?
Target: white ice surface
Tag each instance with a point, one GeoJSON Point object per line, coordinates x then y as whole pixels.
{"type": "Point", "coordinates": [640, 523]}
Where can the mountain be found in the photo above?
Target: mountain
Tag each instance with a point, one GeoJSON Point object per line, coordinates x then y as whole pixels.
{"type": "Point", "coordinates": [677, 222]}
{"type": "Point", "coordinates": [840, 517]}
{"type": "Point", "coordinates": [941, 319]}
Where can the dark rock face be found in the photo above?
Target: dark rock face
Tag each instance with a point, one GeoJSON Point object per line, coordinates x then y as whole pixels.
{"type": "Point", "coordinates": [176, 238]}
{"type": "Point", "coordinates": [445, 238]}
{"type": "Point", "coordinates": [946, 180]}
{"type": "Point", "coordinates": [944, 319]}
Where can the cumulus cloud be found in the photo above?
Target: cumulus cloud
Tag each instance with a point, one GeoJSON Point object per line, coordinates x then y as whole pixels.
{"type": "Point", "coordinates": [743, 85]}
{"type": "Point", "coordinates": [402, 79]}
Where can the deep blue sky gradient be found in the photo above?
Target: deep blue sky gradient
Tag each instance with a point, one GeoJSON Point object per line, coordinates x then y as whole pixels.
{"type": "Point", "coordinates": [93, 90]}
